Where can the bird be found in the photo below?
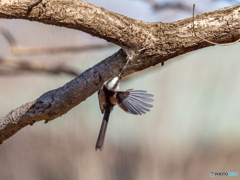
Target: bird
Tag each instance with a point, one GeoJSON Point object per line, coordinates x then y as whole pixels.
{"type": "Point", "coordinates": [131, 101]}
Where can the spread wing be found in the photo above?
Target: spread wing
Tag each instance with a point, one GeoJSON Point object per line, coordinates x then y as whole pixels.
{"type": "Point", "coordinates": [134, 101]}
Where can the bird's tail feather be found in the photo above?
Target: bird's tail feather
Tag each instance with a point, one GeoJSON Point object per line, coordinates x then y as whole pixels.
{"type": "Point", "coordinates": [102, 132]}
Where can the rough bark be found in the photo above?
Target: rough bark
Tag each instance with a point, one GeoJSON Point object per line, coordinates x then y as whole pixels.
{"type": "Point", "coordinates": [159, 42]}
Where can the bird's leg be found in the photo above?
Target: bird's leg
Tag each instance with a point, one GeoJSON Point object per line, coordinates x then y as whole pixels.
{"type": "Point", "coordinates": [131, 54]}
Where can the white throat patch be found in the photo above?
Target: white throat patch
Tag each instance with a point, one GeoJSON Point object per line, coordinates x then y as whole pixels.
{"type": "Point", "coordinates": [113, 82]}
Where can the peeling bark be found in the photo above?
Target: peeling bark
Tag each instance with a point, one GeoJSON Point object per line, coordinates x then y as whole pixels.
{"type": "Point", "coordinates": [158, 42]}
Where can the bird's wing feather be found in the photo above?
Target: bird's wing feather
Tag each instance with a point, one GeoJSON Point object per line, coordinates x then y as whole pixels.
{"type": "Point", "coordinates": [134, 101]}
{"type": "Point", "coordinates": [100, 104]}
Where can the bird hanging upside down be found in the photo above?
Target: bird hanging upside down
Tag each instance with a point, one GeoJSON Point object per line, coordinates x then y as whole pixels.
{"type": "Point", "coordinates": [131, 101]}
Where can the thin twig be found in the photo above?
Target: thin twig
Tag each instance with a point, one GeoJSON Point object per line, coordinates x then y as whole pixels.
{"type": "Point", "coordinates": [219, 44]}
{"type": "Point", "coordinates": [19, 50]}
{"type": "Point", "coordinates": [12, 72]}
{"type": "Point", "coordinates": [168, 5]}
{"type": "Point", "coordinates": [54, 50]}
{"type": "Point", "coordinates": [9, 37]}
{"type": "Point", "coordinates": [29, 66]}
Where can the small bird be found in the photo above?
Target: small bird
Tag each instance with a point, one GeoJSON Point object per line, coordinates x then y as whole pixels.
{"type": "Point", "coordinates": [131, 101]}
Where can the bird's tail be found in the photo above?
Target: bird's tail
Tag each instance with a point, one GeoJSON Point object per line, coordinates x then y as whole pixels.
{"type": "Point", "coordinates": [102, 132]}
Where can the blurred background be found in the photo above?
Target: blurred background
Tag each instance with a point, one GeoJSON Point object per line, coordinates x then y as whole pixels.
{"type": "Point", "coordinates": [193, 128]}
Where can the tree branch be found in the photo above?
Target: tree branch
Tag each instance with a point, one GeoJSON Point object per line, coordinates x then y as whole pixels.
{"type": "Point", "coordinates": [124, 31]}
{"type": "Point", "coordinates": [19, 50]}
{"type": "Point", "coordinates": [169, 5]}
{"type": "Point", "coordinates": [158, 42]}
{"type": "Point", "coordinates": [24, 65]}
{"type": "Point", "coordinates": [9, 37]}
{"type": "Point", "coordinates": [76, 14]}
{"type": "Point", "coordinates": [54, 50]}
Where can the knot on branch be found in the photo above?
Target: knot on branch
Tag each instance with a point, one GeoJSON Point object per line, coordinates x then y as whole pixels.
{"type": "Point", "coordinates": [41, 105]}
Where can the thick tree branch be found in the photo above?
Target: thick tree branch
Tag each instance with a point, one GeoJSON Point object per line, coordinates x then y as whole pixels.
{"type": "Point", "coordinates": [159, 42]}
{"type": "Point", "coordinates": [126, 32]}
{"type": "Point", "coordinates": [79, 15]}
{"type": "Point", "coordinates": [59, 101]}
